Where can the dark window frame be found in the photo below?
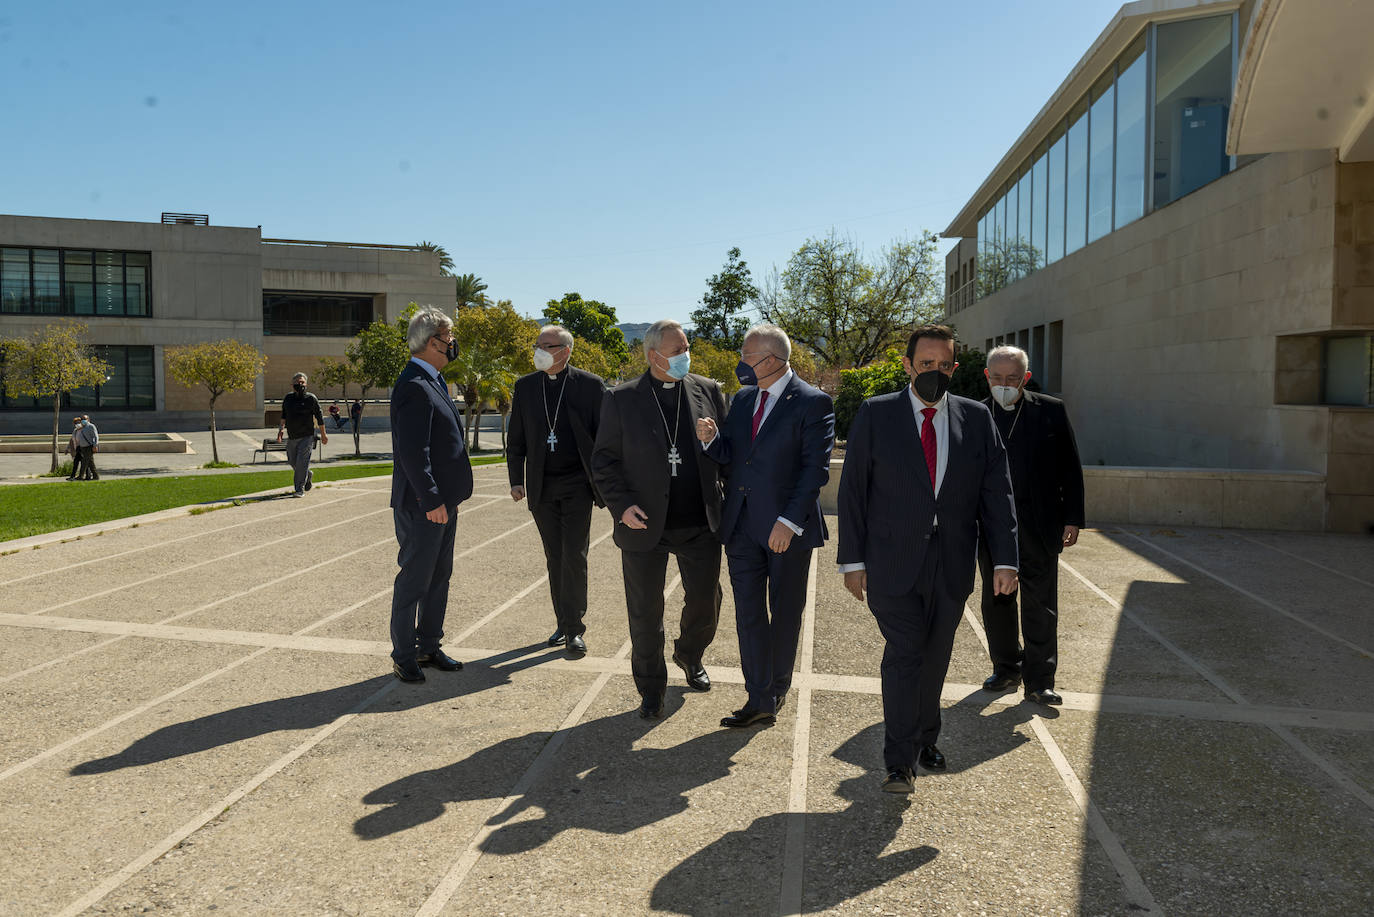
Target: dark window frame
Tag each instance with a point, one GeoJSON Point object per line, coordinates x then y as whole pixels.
{"type": "Point", "coordinates": [19, 403]}
{"type": "Point", "coordinates": [65, 306]}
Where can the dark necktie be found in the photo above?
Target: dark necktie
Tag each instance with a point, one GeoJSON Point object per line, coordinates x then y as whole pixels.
{"type": "Point", "coordinates": [928, 442]}
{"type": "Point", "coordinates": [758, 415]}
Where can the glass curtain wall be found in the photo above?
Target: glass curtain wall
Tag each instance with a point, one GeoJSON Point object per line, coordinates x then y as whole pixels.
{"type": "Point", "coordinates": [1130, 135]}
{"type": "Point", "coordinates": [1039, 210]}
{"type": "Point", "coordinates": [50, 281]}
{"type": "Point", "coordinates": [1192, 93]}
{"type": "Point", "coordinates": [1101, 139]}
{"type": "Point", "coordinates": [1054, 246]}
{"type": "Point", "coordinates": [1076, 190]}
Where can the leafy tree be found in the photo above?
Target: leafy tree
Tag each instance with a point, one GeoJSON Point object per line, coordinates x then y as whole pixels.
{"type": "Point", "coordinates": [331, 372]}
{"type": "Point", "coordinates": [728, 294]}
{"type": "Point", "coordinates": [221, 366]}
{"type": "Point", "coordinates": [716, 363]}
{"type": "Point", "coordinates": [445, 259]}
{"type": "Point", "coordinates": [495, 346]}
{"type": "Point", "coordinates": [53, 361]}
{"type": "Point", "coordinates": [849, 311]}
{"type": "Point", "coordinates": [375, 357]}
{"type": "Point", "coordinates": [469, 290]}
{"type": "Point", "coordinates": [593, 359]}
{"type": "Point", "coordinates": [589, 320]}
{"type": "Point", "coordinates": [888, 375]}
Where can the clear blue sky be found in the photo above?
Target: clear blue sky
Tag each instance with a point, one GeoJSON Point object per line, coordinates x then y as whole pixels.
{"type": "Point", "coordinates": [615, 149]}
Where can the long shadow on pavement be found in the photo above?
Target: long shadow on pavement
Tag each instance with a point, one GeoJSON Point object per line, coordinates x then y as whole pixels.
{"type": "Point", "coordinates": [310, 711]}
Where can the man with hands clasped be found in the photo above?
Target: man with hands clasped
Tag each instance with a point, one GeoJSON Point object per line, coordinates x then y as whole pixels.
{"type": "Point", "coordinates": [775, 449]}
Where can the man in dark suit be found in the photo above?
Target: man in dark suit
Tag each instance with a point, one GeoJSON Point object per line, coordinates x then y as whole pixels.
{"type": "Point", "coordinates": [432, 475]}
{"type": "Point", "coordinates": [555, 412]}
{"type": "Point", "coordinates": [1047, 478]}
{"type": "Point", "coordinates": [665, 496]}
{"type": "Point", "coordinates": [775, 450]}
{"type": "Point", "coordinates": [923, 472]}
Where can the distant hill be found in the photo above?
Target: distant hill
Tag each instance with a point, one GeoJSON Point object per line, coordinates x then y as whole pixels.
{"type": "Point", "coordinates": [634, 332]}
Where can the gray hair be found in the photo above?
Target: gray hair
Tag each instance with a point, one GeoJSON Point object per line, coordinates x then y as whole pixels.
{"type": "Point", "coordinates": [300, 376]}
{"type": "Point", "coordinates": [774, 338]}
{"type": "Point", "coordinates": [564, 335]}
{"type": "Point", "coordinates": [1008, 352]}
{"type": "Point", "coordinates": [654, 336]}
{"type": "Point", "coordinates": [425, 324]}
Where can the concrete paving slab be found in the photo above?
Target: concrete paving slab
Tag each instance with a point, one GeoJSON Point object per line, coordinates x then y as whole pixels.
{"type": "Point", "coordinates": [23, 648]}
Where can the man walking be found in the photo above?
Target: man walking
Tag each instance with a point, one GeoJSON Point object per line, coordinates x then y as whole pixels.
{"type": "Point", "coordinates": [430, 477]}
{"type": "Point", "coordinates": [1047, 479]}
{"type": "Point", "coordinates": [665, 497]}
{"type": "Point", "coordinates": [923, 472]}
{"type": "Point", "coordinates": [301, 417]}
{"type": "Point", "coordinates": [87, 444]}
{"type": "Point", "coordinates": [555, 412]}
{"type": "Point", "coordinates": [73, 449]}
{"type": "Point", "coordinates": [775, 450]}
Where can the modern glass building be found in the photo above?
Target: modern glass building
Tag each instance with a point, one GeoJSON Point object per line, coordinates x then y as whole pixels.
{"type": "Point", "coordinates": [1183, 241]}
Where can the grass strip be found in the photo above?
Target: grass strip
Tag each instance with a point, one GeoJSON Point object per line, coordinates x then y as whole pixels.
{"type": "Point", "coordinates": [34, 509]}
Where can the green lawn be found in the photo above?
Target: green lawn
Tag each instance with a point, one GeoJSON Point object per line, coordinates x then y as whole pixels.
{"type": "Point", "coordinates": [33, 509]}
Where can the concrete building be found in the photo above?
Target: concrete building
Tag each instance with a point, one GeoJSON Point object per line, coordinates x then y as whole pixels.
{"type": "Point", "coordinates": [145, 287]}
{"type": "Point", "coordinates": [1188, 257]}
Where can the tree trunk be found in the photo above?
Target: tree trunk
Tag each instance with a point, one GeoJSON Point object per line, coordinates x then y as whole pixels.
{"type": "Point", "coordinates": [214, 446]}
{"type": "Point", "coordinates": [56, 408]}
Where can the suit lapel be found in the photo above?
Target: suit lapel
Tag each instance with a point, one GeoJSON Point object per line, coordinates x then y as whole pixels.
{"type": "Point", "coordinates": [904, 426]}
{"type": "Point", "coordinates": [786, 403]}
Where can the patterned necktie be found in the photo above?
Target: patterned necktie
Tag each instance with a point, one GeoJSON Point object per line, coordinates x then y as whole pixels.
{"type": "Point", "coordinates": [758, 415]}
{"type": "Point", "coordinates": [928, 442]}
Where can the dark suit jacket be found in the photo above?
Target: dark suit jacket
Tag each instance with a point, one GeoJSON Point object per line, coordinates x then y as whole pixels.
{"type": "Point", "coordinates": [630, 460]}
{"type": "Point", "coordinates": [431, 461]}
{"type": "Point", "coordinates": [887, 506]}
{"type": "Point", "coordinates": [530, 427]}
{"type": "Point", "coordinates": [782, 472]}
{"type": "Point", "coordinates": [1055, 497]}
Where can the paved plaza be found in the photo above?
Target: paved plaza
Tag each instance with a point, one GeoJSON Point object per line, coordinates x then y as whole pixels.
{"type": "Point", "coordinates": [198, 717]}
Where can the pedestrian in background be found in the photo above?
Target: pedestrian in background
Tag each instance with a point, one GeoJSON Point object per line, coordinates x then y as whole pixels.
{"type": "Point", "coordinates": [88, 443]}
{"type": "Point", "coordinates": [74, 449]}
{"type": "Point", "coordinates": [301, 418]}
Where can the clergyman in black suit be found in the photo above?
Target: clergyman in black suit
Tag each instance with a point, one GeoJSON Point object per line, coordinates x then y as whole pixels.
{"type": "Point", "coordinates": [924, 471]}
{"type": "Point", "coordinates": [775, 449]}
{"type": "Point", "coordinates": [432, 475]}
{"type": "Point", "coordinates": [1047, 478]}
{"type": "Point", "coordinates": [665, 496]}
{"type": "Point", "coordinates": [555, 412]}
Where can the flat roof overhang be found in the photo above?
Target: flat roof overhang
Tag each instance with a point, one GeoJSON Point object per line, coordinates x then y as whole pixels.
{"type": "Point", "coordinates": [1306, 80]}
{"type": "Point", "coordinates": [1120, 32]}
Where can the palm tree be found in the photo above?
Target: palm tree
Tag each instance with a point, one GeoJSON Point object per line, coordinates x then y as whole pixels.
{"type": "Point", "coordinates": [468, 290]}
{"type": "Point", "coordinates": [481, 376]}
{"type": "Point", "coordinates": [445, 259]}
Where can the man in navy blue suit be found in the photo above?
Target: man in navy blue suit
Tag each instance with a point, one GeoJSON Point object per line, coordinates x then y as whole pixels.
{"type": "Point", "coordinates": [924, 472]}
{"type": "Point", "coordinates": [775, 447]}
{"type": "Point", "coordinates": [431, 476]}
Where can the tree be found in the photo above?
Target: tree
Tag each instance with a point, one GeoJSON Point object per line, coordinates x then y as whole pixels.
{"type": "Point", "coordinates": [376, 356]}
{"type": "Point", "coordinates": [53, 361]}
{"type": "Point", "coordinates": [846, 310]}
{"type": "Point", "coordinates": [331, 372]}
{"type": "Point", "coordinates": [495, 346]}
{"type": "Point", "coordinates": [593, 359]}
{"type": "Point", "coordinates": [727, 297]}
{"type": "Point", "coordinates": [445, 259]}
{"type": "Point", "coordinates": [221, 366]}
{"type": "Point", "coordinates": [888, 375]}
{"type": "Point", "coordinates": [469, 291]}
{"type": "Point", "coordinates": [716, 363]}
{"type": "Point", "coordinates": [589, 320]}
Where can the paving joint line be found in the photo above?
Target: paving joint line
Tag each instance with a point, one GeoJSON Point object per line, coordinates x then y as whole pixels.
{"type": "Point", "coordinates": [794, 840]}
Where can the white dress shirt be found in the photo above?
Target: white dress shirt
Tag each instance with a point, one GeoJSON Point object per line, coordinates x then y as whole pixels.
{"type": "Point", "coordinates": [774, 394]}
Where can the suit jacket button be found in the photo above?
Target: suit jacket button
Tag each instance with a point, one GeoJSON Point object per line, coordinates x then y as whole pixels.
{"type": "Point", "coordinates": [741, 490]}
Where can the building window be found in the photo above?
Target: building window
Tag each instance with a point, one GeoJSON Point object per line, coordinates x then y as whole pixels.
{"type": "Point", "coordinates": [1130, 136]}
{"type": "Point", "coordinates": [1192, 91]}
{"type": "Point", "coordinates": [1101, 156]}
{"type": "Point", "coordinates": [315, 314]}
{"type": "Point", "coordinates": [1076, 219]}
{"type": "Point", "coordinates": [129, 386]}
{"type": "Point", "coordinates": [61, 281]}
{"type": "Point", "coordinates": [1348, 370]}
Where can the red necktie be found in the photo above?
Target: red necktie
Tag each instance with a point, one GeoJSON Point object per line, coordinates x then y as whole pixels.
{"type": "Point", "coordinates": [758, 415]}
{"type": "Point", "coordinates": [928, 441]}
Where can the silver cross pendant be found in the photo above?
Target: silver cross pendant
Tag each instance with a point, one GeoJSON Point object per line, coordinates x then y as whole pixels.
{"type": "Point", "coordinates": [552, 441]}
{"type": "Point", "coordinates": [674, 459]}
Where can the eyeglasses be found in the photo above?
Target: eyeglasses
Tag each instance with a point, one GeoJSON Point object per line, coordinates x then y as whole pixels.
{"type": "Point", "coordinates": [549, 348]}
{"type": "Point", "coordinates": [944, 366]}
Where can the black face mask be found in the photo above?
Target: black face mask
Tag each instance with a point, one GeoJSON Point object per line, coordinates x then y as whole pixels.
{"type": "Point", "coordinates": [299, 387]}
{"type": "Point", "coordinates": [745, 373]}
{"type": "Point", "coordinates": [931, 385]}
{"type": "Point", "coordinates": [450, 349]}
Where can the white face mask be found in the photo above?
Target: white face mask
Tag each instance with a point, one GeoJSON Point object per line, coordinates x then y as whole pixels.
{"type": "Point", "coordinates": [543, 360]}
{"type": "Point", "coordinates": [1006, 395]}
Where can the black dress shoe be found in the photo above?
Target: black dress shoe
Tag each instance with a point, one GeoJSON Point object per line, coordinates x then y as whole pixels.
{"type": "Point", "coordinates": [778, 702]}
{"type": "Point", "coordinates": [577, 647]}
{"type": "Point", "coordinates": [999, 682]}
{"type": "Point", "coordinates": [931, 759]}
{"type": "Point", "coordinates": [558, 638]}
{"type": "Point", "coordinates": [1047, 696]}
{"type": "Point", "coordinates": [408, 672]}
{"type": "Point", "coordinates": [439, 660]}
{"type": "Point", "coordinates": [651, 708]}
{"type": "Point", "coordinates": [899, 780]}
{"type": "Point", "coordinates": [697, 679]}
{"type": "Point", "coordinates": [747, 716]}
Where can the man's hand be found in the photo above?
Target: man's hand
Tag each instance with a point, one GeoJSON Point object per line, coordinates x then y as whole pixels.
{"type": "Point", "coordinates": [634, 518]}
{"type": "Point", "coordinates": [1070, 535]}
{"type": "Point", "coordinates": [438, 515]}
{"type": "Point", "coordinates": [856, 581]}
{"type": "Point", "coordinates": [780, 538]}
{"type": "Point", "coordinates": [279, 436]}
{"type": "Point", "coordinates": [1004, 582]}
{"type": "Point", "coordinates": [324, 437]}
{"type": "Point", "coordinates": [706, 431]}
{"type": "Point", "coordinates": [517, 493]}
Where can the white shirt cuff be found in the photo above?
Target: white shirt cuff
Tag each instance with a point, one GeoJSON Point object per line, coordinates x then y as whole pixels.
{"type": "Point", "coordinates": [851, 568]}
{"type": "Point", "coordinates": [1004, 567]}
{"type": "Point", "coordinates": [796, 529]}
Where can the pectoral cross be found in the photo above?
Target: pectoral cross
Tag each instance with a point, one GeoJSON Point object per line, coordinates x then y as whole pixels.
{"type": "Point", "coordinates": [674, 459]}
{"type": "Point", "coordinates": [552, 441]}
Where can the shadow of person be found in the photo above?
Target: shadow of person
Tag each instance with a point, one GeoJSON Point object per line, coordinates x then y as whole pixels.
{"type": "Point", "coordinates": [598, 781]}
{"type": "Point", "coordinates": [847, 852]}
{"type": "Point", "coordinates": [313, 710]}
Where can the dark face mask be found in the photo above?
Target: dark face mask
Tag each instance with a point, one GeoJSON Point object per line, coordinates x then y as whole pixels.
{"type": "Point", "coordinates": [931, 385]}
{"type": "Point", "coordinates": [299, 387]}
{"type": "Point", "coordinates": [450, 349]}
{"type": "Point", "coordinates": [745, 373]}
